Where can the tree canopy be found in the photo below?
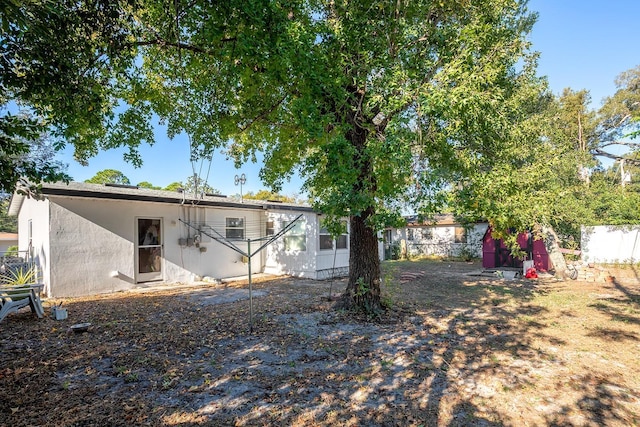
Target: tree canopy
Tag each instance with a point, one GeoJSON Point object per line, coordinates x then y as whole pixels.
{"type": "Point", "coordinates": [147, 184]}
{"type": "Point", "coordinates": [109, 176]}
{"type": "Point", "coordinates": [269, 195]}
{"type": "Point", "coordinates": [362, 99]}
{"type": "Point", "coordinates": [26, 154]}
{"type": "Point", "coordinates": [8, 224]}
{"type": "Point", "coordinates": [374, 104]}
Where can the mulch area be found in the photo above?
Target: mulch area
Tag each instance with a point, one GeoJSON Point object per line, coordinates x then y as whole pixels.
{"type": "Point", "coordinates": [454, 350]}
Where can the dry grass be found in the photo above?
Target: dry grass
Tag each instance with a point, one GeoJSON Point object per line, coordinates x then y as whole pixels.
{"type": "Point", "coordinates": [456, 350]}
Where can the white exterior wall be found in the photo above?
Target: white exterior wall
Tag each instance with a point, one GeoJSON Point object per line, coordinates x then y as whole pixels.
{"type": "Point", "coordinates": [93, 244]}
{"type": "Point", "coordinates": [442, 241]}
{"type": "Point", "coordinates": [90, 239]}
{"type": "Point", "coordinates": [295, 263]}
{"type": "Point", "coordinates": [611, 244]}
{"type": "Point", "coordinates": [217, 261]}
{"type": "Point", "coordinates": [90, 245]}
{"type": "Point", "coordinates": [330, 262]}
{"type": "Point", "coordinates": [36, 212]}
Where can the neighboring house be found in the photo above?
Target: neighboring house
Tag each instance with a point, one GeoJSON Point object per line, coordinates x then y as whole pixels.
{"type": "Point", "coordinates": [91, 238]}
{"type": "Point", "coordinates": [442, 236]}
{"type": "Point", "coordinates": [7, 240]}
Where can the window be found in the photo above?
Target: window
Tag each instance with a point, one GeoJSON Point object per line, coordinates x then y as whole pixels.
{"type": "Point", "coordinates": [427, 233]}
{"type": "Point", "coordinates": [296, 238]}
{"type": "Point", "coordinates": [341, 242]}
{"type": "Point", "coordinates": [461, 235]}
{"type": "Point", "coordinates": [326, 241]}
{"type": "Point", "coordinates": [235, 228]}
{"type": "Point", "coordinates": [409, 233]}
{"type": "Point", "coordinates": [269, 228]}
{"type": "Point", "coordinates": [30, 239]}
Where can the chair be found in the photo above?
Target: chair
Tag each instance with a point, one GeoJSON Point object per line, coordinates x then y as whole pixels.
{"type": "Point", "coordinates": [13, 298]}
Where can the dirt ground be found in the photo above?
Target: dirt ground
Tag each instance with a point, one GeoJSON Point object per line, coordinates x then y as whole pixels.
{"type": "Point", "coordinates": [455, 350]}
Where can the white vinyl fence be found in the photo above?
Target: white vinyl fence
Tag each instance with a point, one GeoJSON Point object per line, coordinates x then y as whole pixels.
{"type": "Point", "coordinates": [611, 244]}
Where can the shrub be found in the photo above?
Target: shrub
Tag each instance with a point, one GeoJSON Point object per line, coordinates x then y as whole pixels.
{"type": "Point", "coordinates": [12, 251]}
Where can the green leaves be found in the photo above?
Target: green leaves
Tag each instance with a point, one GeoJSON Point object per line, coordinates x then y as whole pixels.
{"type": "Point", "coordinates": [109, 176]}
{"type": "Point", "coordinates": [26, 156]}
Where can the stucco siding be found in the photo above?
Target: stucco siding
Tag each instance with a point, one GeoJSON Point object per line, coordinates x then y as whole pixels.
{"type": "Point", "coordinates": [90, 240]}
{"type": "Point", "coordinates": [331, 262]}
{"type": "Point", "coordinates": [280, 259]}
{"type": "Point", "coordinates": [94, 244]}
{"type": "Point", "coordinates": [33, 226]}
{"type": "Point", "coordinates": [208, 257]}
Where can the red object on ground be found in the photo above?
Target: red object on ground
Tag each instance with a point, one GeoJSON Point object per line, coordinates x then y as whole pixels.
{"type": "Point", "coordinates": [531, 273]}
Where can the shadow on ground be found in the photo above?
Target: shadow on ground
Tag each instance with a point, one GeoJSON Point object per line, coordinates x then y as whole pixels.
{"type": "Point", "coordinates": [456, 350]}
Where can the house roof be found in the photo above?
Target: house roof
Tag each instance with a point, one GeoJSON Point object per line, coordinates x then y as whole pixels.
{"type": "Point", "coordinates": [133, 193]}
{"type": "Point", "coordinates": [437, 220]}
{"type": "Point", "coordinates": [440, 219]}
{"type": "Point", "coordinates": [8, 236]}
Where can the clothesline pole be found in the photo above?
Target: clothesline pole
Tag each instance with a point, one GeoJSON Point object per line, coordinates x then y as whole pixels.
{"type": "Point", "coordinates": [250, 286]}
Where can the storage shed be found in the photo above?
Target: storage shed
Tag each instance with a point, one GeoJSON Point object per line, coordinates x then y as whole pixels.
{"type": "Point", "coordinates": [496, 254]}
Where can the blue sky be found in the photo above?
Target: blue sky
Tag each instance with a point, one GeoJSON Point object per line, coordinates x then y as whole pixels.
{"type": "Point", "coordinates": [584, 44]}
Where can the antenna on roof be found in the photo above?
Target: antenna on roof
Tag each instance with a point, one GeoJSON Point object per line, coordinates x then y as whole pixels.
{"type": "Point", "coordinates": [242, 179]}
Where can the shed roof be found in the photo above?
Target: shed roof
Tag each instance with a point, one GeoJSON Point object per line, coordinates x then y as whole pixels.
{"type": "Point", "coordinates": [133, 193]}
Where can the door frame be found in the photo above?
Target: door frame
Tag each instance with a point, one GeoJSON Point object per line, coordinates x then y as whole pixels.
{"type": "Point", "coordinates": [149, 276]}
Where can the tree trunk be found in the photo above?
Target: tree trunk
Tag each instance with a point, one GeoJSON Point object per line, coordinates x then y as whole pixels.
{"type": "Point", "coordinates": [363, 289]}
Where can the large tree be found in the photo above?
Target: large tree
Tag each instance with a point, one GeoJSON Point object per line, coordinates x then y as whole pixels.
{"type": "Point", "coordinates": [620, 119]}
{"type": "Point", "coordinates": [27, 155]}
{"type": "Point", "coordinates": [362, 99]}
{"type": "Point", "coordinates": [268, 195]}
{"type": "Point", "coordinates": [109, 176]}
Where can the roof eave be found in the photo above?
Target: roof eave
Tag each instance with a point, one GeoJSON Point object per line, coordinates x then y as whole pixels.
{"type": "Point", "coordinates": [15, 204]}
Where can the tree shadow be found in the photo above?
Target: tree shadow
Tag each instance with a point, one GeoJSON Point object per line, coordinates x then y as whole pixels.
{"type": "Point", "coordinates": [634, 297]}
{"type": "Point", "coordinates": [600, 405]}
{"type": "Point", "coordinates": [443, 359]}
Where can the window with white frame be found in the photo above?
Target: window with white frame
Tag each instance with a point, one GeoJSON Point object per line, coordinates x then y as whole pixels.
{"type": "Point", "coordinates": [427, 233]}
{"type": "Point", "coordinates": [326, 240]}
{"type": "Point", "coordinates": [269, 231]}
{"type": "Point", "coordinates": [30, 239]}
{"type": "Point", "coordinates": [296, 238]}
{"type": "Point", "coordinates": [234, 228]}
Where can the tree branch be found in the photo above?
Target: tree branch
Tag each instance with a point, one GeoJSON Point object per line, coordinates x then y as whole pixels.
{"type": "Point", "coordinates": [263, 114]}
{"type": "Point", "coordinates": [625, 143]}
{"type": "Point", "coordinates": [602, 153]}
{"type": "Point", "coordinates": [164, 43]}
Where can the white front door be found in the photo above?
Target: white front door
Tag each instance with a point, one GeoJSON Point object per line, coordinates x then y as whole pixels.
{"type": "Point", "coordinates": [149, 249]}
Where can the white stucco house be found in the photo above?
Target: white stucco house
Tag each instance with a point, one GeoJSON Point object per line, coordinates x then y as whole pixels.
{"type": "Point", "coordinates": [91, 238]}
{"type": "Point", "coordinates": [441, 236]}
